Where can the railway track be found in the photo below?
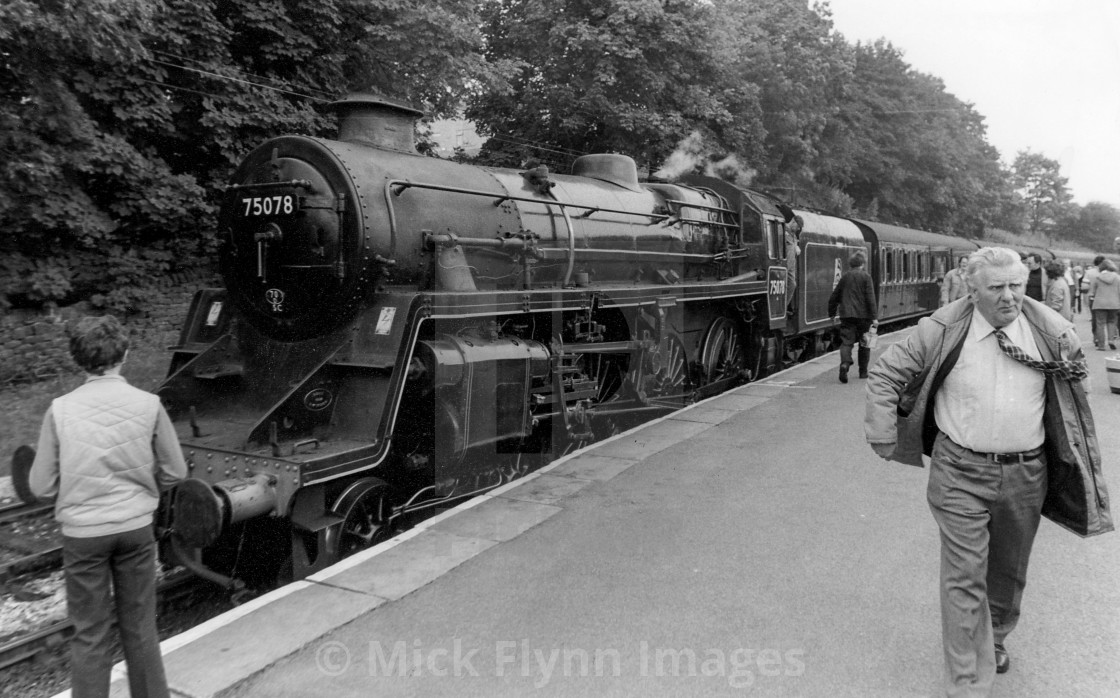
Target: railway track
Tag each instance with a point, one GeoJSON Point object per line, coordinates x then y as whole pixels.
{"type": "Point", "coordinates": [30, 540]}
{"type": "Point", "coordinates": [33, 562]}
{"type": "Point", "coordinates": [14, 512]}
{"type": "Point", "coordinates": [173, 588]}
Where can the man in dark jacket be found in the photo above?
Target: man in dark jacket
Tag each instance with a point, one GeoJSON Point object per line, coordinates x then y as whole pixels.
{"type": "Point", "coordinates": [991, 390]}
{"type": "Point", "coordinates": [1034, 279]}
{"type": "Point", "coordinates": [854, 298]}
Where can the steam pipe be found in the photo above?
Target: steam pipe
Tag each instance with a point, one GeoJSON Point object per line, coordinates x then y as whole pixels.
{"type": "Point", "coordinates": [571, 247]}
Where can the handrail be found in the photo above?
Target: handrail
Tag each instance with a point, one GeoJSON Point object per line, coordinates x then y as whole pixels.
{"type": "Point", "coordinates": [571, 248]}
{"type": "Point", "coordinates": [396, 187]}
{"type": "Point", "coordinates": [405, 184]}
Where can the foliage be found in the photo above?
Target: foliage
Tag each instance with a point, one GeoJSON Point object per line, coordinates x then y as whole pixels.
{"type": "Point", "coordinates": [629, 76]}
{"type": "Point", "coordinates": [911, 149]}
{"type": "Point", "coordinates": [78, 189]}
{"type": "Point", "coordinates": [121, 119]}
{"type": "Point", "coordinates": [786, 52]}
{"type": "Point", "coordinates": [1098, 225]}
{"type": "Point", "coordinates": [1044, 190]}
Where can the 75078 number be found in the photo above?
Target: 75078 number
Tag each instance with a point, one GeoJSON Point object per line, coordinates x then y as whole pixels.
{"type": "Point", "coordinates": [269, 205]}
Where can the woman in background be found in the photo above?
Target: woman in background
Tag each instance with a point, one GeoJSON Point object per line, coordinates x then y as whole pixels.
{"type": "Point", "coordinates": [1057, 295]}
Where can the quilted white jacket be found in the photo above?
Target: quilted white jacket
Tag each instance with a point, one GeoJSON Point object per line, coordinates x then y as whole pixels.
{"type": "Point", "coordinates": [98, 453]}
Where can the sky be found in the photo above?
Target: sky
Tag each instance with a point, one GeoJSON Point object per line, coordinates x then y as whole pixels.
{"type": "Point", "coordinates": [1045, 74]}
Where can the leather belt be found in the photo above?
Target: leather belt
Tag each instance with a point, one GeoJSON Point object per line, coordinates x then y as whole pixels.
{"type": "Point", "coordinates": [1005, 458]}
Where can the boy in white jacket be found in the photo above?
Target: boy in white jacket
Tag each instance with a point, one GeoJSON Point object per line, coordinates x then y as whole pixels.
{"type": "Point", "coordinates": [106, 450]}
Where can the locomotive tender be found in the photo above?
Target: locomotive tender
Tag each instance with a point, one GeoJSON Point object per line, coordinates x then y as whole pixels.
{"type": "Point", "coordinates": [398, 332]}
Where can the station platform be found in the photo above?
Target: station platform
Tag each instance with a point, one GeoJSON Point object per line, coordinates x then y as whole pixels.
{"type": "Point", "coordinates": [749, 544]}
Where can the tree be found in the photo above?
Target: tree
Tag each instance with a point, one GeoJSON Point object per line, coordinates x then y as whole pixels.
{"type": "Point", "coordinates": [628, 76]}
{"type": "Point", "coordinates": [1044, 190]}
{"type": "Point", "coordinates": [1098, 226]}
{"type": "Point", "coordinates": [121, 119]}
{"type": "Point", "coordinates": [787, 52]}
{"type": "Point", "coordinates": [901, 144]}
{"type": "Point", "coordinates": [76, 199]}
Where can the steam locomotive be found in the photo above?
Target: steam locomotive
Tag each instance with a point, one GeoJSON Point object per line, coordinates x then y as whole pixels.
{"type": "Point", "coordinates": [399, 332]}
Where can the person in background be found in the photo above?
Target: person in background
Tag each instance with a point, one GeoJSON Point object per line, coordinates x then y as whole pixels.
{"type": "Point", "coordinates": [1079, 287]}
{"type": "Point", "coordinates": [953, 286]}
{"type": "Point", "coordinates": [1034, 279]}
{"type": "Point", "coordinates": [793, 231]}
{"type": "Point", "coordinates": [854, 299]}
{"type": "Point", "coordinates": [1067, 265]}
{"type": "Point", "coordinates": [992, 391]}
{"type": "Point", "coordinates": [1104, 299]}
{"type": "Point", "coordinates": [106, 451]}
{"type": "Point", "coordinates": [1090, 276]}
{"type": "Point", "coordinates": [1057, 290]}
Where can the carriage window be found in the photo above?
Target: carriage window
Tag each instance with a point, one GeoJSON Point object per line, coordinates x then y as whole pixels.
{"type": "Point", "coordinates": [888, 265]}
{"type": "Point", "coordinates": [906, 266]}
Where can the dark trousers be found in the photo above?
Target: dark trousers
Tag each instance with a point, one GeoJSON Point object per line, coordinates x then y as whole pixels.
{"type": "Point", "coordinates": [123, 564]}
{"type": "Point", "coordinates": [851, 329]}
{"type": "Point", "coordinates": [988, 514]}
{"type": "Point", "coordinates": [1104, 326]}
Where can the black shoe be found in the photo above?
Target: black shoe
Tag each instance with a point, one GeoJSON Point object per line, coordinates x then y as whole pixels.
{"type": "Point", "coordinates": [843, 374]}
{"type": "Point", "coordinates": [1003, 661]}
{"type": "Point", "coordinates": [863, 374]}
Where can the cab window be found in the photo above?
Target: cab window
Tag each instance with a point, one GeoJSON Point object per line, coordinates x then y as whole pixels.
{"type": "Point", "coordinates": [777, 241]}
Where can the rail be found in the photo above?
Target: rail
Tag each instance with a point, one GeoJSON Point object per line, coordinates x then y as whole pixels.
{"type": "Point", "coordinates": [14, 512]}
{"type": "Point", "coordinates": [29, 646]}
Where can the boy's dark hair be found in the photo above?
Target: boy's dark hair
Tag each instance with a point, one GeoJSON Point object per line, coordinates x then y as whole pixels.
{"type": "Point", "coordinates": [97, 343]}
{"type": "Point", "coordinates": [857, 260]}
{"type": "Point", "coordinates": [1097, 260]}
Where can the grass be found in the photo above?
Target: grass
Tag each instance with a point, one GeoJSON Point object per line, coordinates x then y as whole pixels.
{"type": "Point", "coordinates": [25, 403]}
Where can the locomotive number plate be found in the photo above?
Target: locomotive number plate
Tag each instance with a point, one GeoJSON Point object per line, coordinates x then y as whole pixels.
{"type": "Point", "coordinates": [279, 205]}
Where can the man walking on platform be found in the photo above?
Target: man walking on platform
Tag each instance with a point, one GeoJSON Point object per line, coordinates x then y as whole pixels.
{"type": "Point", "coordinates": [953, 286]}
{"type": "Point", "coordinates": [992, 391]}
{"type": "Point", "coordinates": [854, 297]}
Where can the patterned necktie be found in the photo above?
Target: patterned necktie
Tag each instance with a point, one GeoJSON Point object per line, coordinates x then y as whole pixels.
{"type": "Point", "coordinates": [1066, 370]}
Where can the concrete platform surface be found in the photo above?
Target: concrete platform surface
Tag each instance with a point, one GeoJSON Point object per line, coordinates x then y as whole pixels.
{"type": "Point", "coordinates": [751, 544]}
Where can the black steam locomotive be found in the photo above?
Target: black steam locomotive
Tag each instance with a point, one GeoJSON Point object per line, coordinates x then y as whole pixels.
{"type": "Point", "coordinates": [398, 332]}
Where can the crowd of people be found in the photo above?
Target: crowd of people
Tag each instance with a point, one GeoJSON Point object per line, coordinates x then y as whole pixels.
{"type": "Point", "coordinates": [1066, 288]}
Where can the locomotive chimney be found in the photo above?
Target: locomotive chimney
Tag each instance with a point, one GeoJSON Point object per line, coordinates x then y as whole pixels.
{"type": "Point", "coordinates": [377, 121]}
